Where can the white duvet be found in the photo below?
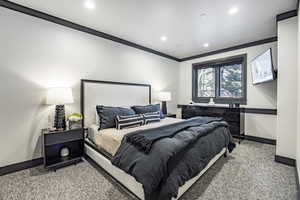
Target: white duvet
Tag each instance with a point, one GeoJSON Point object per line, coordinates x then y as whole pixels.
{"type": "Point", "coordinates": [110, 139]}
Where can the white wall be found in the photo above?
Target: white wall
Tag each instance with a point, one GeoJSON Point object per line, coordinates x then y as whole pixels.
{"type": "Point", "coordinates": [258, 96]}
{"type": "Point", "coordinates": [37, 54]}
{"type": "Point", "coordinates": [298, 104]}
{"type": "Point", "coordinates": [287, 88]}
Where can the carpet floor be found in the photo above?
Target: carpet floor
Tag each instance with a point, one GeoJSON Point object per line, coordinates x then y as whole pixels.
{"type": "Point", "coordinates": [249, 173]}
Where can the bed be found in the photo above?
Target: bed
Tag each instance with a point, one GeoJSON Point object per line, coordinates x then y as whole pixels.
{"type": "Point", "coordinates": [106, 146]}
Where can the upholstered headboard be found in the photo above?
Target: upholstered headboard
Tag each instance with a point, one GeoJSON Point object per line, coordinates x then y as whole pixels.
{"type": "Point", "coordinates": [109, 93]}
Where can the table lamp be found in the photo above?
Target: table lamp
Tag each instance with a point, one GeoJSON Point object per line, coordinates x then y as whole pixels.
{"type": "Point", "coordinates": [164, 97]}
{"type": "Point", "coordinates": [59, 97]}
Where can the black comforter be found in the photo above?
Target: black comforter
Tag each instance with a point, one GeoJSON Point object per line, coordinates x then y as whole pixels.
{"type": "Point", "coordinates": [175, 157]}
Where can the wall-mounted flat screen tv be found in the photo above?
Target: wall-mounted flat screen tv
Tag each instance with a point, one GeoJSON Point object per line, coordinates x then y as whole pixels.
{"type": "Point", "coordinates": [262, 68]}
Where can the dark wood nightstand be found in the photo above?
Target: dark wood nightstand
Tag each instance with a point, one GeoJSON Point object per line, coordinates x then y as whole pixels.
{"type": "Point", "coordinates": [54, 142]}
{"type": "Point", "coordinates": [171, 115]}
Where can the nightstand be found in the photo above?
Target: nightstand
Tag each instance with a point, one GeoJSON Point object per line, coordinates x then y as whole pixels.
{"type": "Point", "coordinates": [72, 141]}
{"type": "Point", "coordinates": [171, 115]}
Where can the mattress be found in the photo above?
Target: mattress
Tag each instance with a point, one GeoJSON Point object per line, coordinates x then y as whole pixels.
{"type": "Point", "coordinates": [110, 139]}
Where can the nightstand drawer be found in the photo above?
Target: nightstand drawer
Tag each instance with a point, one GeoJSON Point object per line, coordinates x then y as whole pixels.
{"type": "Point", "coordinates": [59, 137]}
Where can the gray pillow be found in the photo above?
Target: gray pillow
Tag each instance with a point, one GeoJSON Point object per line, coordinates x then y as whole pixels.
{"type": "Point", "coordinates": [107, 115]}
{"type": "Point", "coordinates": [148, 109]}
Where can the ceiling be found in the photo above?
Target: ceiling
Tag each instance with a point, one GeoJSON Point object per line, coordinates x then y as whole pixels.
{"type": "Point", "coordinates": [187, 24]}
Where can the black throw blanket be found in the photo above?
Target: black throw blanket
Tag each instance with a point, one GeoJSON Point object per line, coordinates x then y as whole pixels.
{"type": "Point", "coordinates": [144, 139]}
{"type": "Point", "coordinates": [177, 153]}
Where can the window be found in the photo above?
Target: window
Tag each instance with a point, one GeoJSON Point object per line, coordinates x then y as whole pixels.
{"type": "Point", "coordinates": [223, 80]}
{"type": "Point", "coordinates": [206, 82]}
{"type": "Point", "coordinates": [231, 81]}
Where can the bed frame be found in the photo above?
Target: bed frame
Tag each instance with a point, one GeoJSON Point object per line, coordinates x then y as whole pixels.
{"type": "Point", "coordinates": [100, 158]}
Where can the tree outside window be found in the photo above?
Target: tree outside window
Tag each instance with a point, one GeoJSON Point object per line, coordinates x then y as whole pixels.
{"type": "Point", "coordinates": [223, 80]}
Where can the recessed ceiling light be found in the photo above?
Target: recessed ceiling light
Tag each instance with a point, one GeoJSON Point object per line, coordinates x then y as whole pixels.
{"type": "Point", "coordinates": [206, 45]}
{"type": "Point", "coordinates": [163, 38]}
{"type": "Point", "coordinates": [89, 4]}
{"type": "Point", "coordinates": [203, 15]}
{"type": "Point", "coordinates": [233, 10]}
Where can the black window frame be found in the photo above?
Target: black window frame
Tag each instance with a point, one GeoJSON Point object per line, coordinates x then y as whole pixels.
{"type": "Point", "coordinates": [239, 59]}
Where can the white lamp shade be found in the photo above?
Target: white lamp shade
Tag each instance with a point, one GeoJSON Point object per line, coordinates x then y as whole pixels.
{"type": "Point", "coordinates": [164, 96]}
{"type": "Point", "coordinates": [59, 96]}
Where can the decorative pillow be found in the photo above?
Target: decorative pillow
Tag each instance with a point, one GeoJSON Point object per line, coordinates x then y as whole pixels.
{"type": "Point", "coordinates": [129, 121]}
{"type": "Point", "coordinates": [148, 109]}
{"type": "Point", "coordinates": [151, 117]}
{"type": "Point", "coordinates": [107, 115]}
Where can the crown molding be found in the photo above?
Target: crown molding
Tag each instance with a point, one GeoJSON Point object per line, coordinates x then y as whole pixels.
{"type": "Point", "coordinates": [72, 25]}
{"type": "Point", "coordinates": [286, 15]}
{"type": "Point", "coordinates": [241, 46]}
{"type": "Point", "coordinates": [78, 27]}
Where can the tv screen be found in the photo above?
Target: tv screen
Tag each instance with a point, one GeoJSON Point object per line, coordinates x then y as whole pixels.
{"type": "Point", "coordinates": [262, 68]}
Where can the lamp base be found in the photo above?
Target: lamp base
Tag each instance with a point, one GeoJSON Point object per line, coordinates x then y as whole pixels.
{"type": "Point", "coordinates": [60, 118]}
{"type": "Point", "coordinates": [164, 107]}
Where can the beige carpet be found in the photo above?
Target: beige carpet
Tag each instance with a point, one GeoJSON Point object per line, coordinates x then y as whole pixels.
{"type": "Point", "coordinates": [249, 173]}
